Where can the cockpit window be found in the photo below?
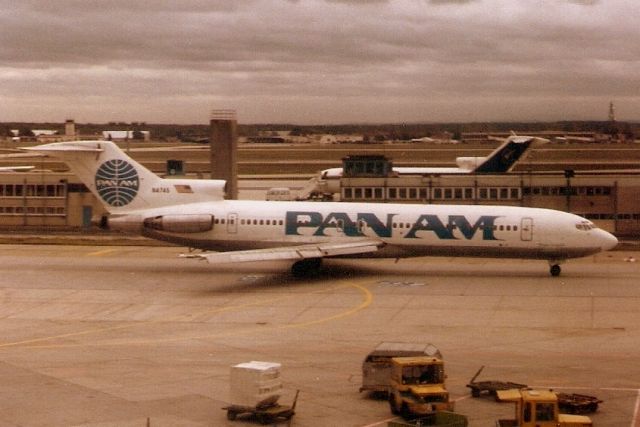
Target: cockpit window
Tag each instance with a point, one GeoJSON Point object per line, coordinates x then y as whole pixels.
{"type": "Point", "coordinates": [585, 226]}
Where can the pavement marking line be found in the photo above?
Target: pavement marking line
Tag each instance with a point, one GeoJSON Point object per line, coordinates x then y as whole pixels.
{"type": "Point", "coordinates": [635, 422]}
{"type": "Point", "coordinates": [367, 299]}
{"type": "Point", "coordinates": [70, 334]}
{"type": "Point", "coordinates": [114, 328]}
{"type": "Point", "coordinates": [102, 252]}
{"type": "Point", "coordinates": [381, 422]}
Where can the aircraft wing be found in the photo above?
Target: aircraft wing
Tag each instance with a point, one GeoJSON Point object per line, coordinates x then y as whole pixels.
{"type": "Point", "coordinates": [315, 250]}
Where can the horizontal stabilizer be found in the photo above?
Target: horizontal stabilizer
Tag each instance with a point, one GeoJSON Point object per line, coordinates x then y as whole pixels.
{"type": "Point", "coordinates": [63, 148]}
{"type": "Point", "coordinates": [319, 250]}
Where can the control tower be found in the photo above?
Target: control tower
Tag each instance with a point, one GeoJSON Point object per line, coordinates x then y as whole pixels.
{"type": "Point", "coordinates": [612, 112]}
{"type": "Point", "coordinates": [224, 146]}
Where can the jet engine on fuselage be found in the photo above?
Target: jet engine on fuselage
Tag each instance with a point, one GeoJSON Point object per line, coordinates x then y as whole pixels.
{"type": "Point", "coordinates": [175, 223]}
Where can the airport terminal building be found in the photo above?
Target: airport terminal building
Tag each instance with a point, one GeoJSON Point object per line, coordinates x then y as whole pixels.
{"type": "Point", "coordinates": [50, 200]}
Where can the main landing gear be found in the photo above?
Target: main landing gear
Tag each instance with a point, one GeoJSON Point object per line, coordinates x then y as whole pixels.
{"type": "Point", "coordinates": [306, 267]}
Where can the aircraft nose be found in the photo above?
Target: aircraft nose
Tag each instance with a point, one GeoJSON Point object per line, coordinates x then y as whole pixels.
{"type": "Point", "coordinates": [607, 240]}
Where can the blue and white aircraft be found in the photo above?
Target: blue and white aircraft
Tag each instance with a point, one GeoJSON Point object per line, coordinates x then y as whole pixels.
{"type": "Point", "coordinates": [194, 213]}
{"type": "Point", "coordinates": [501, 160]}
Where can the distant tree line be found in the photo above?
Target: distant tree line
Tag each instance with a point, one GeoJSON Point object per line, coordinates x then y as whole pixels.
{"type": "Point", "coordinates": [371, 132]}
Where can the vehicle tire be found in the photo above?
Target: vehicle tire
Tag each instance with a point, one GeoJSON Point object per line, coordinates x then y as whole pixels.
{"type": "Point", "coordinates": [392, 405]}
{"type": "Point", "coordinates": [405, 412]}
{"type": "Point", "coordinates": [231, 415]}
{"type": "Point", "coordinates": [555, 270]}
{"type": "Point", "coordinates": [475, 392]}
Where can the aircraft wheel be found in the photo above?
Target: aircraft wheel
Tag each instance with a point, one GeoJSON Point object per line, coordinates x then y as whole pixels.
{"type": "Point", "coordinates": [555, 270]}
{"type": "Point", "coordinates": [306, 267]}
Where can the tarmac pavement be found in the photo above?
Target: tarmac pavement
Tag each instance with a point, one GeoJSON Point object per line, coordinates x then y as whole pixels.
{"type": "Point", "coordinates": [111, 335]}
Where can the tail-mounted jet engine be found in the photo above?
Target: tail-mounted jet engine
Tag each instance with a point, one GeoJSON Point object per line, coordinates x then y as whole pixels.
{"type": "Point", "coordinates": [186, 223]}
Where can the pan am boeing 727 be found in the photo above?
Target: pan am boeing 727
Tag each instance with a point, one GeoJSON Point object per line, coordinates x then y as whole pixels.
{"type": "Point", "coordinates": [194, 213]}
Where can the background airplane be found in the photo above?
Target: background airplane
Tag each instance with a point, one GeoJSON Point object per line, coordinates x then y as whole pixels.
{"type": "Point", "coordinates": [500, 160]}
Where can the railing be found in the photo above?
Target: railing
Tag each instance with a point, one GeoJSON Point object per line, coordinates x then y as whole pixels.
{"type": "Point", "coordinates": [223, 115]}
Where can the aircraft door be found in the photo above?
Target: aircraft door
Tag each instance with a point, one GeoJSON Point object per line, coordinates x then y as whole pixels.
{"type": "Point", "coordinates": [526, 229]}
{"type": "Point", "coordinates": [232, 223]}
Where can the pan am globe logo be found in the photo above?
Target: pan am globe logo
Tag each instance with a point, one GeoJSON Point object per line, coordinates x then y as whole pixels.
{"type": "Point", "coordinates": [117, 182]}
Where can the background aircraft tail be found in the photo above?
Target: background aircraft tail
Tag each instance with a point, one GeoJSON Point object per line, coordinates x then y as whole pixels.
{"type": "Point", "coordinates": [504, 158]}
{"type": "Point", "coordinates": [124, 185]}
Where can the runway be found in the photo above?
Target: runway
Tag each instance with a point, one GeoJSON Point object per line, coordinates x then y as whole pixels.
{"type": "Point", "coordinates": [113, 336]}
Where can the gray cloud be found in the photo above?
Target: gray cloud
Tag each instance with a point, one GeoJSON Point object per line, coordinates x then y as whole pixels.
{"type": "Point", "coordinates": [317, 60]}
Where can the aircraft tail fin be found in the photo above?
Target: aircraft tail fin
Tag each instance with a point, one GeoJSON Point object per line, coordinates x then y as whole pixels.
{"type": "Point", "coordinates": [504, 158]}
{"type": "Point", "coordinates": [124, 185]}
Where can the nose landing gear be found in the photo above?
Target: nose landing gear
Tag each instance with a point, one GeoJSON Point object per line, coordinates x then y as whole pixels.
{"type": "Point", "coordinates": [554, 267]}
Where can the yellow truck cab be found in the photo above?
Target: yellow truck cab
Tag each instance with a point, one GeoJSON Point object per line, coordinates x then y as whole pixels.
{"type": "Point", "coordinates": [417, 386]}
{"type": "Point", "coordinates": [538, 408]}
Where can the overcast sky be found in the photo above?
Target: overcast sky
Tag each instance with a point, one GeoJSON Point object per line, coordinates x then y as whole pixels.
{"type": "Point", "coordinates": [319, 61]}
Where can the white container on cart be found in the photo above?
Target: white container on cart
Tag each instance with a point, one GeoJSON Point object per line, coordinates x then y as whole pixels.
{"type": "Point", "coordinates": [255, 383]}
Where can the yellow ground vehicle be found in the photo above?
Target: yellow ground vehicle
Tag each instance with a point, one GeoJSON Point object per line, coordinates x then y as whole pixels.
{"type": "Point", "coordinates": [376, 367]}
{"type": "Point", "coordinates": [538, 408]}
{"type": "Point", "coordinates": [417, 386]}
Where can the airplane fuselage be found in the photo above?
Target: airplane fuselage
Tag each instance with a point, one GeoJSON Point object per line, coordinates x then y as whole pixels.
{"type": "Point", "coordinates": [406, 230]}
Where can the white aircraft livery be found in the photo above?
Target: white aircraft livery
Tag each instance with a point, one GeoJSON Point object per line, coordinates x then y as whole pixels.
{"type": "Point", "coordinates": [194, 213]}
